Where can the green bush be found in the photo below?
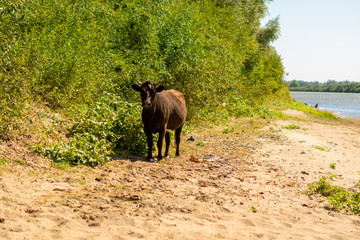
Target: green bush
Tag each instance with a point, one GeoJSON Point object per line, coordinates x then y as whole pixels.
{"type": "Point", "coordinates": [338, 197]}
{"type": "Point", "coordinates": [117, 121]}
{"type": "Point", "coordinates": [110, 123]}
{"type": "Point", "coordinates": [85, 149]}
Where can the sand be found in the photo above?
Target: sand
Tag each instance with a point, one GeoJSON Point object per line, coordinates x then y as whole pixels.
{"type": "Point", "coordinates": [241, 181]}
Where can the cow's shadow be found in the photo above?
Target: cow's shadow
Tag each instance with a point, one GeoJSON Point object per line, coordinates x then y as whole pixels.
{"type": "Point", "coordinates": [121, 156]}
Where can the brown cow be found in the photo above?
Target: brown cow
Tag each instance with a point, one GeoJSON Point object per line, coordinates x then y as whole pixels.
{"type": "Point", "coordinates": [162, 111]}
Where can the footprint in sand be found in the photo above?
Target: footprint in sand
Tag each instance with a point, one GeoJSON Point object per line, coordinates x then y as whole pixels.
{"type": "Point", "coordinates": [248, 222]}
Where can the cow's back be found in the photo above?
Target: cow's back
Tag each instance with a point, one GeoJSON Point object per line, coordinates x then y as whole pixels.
{"type": "Point", "coordinates": [177, 108]}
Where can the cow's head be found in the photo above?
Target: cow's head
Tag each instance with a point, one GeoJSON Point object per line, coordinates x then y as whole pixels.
{"type": "Point", "coordinates": [148, 91]}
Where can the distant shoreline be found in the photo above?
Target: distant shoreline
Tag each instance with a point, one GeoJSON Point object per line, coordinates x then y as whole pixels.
{"type": "Point", "coordinates": [329, 86]}
{"type": "Point", "coordinates": [291, 90]}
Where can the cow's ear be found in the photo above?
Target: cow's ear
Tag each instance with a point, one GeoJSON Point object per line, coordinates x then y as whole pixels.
{"type": "Point", "coordinates": [136, 87]}
{"type": "Point", "coordinates": [160, 88]}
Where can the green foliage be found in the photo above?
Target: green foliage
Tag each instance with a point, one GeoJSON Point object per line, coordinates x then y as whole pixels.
{"type": "Point", "coordinates": [117, 121]}
{"type": "Point", "coordinates": [111, 122]}
{"type": "Point", "coordinates": [338, 197]}
{"type": "Point", "coordinates": [12, 105]}
{"type": "Point", "coordinates": [307, 109]}
{"type": "Point", "coordinates": [323, 186]}
{"type": "Point", "coordinates": [200, 144]}
{"type": "Point", "coordinates": [2, 161]}
{"type": "Point", "coordinates": [292, 127]}
{"type": "Point", "coordinates": [278, 114]}
{"type": "Point", "coordinates": [83, 149]}
{"type": "Point", "coordinates": [269, 33]}
{"type": "Point", "coordinates": [320, 148]}
{"type": "Point", "coordinates": [333, 166]}
{"type": "Point", "coordinates": [322, 114]}
{"type": "Point", "coordinates": [65, 54]}
{"type": "Point", "coordinates": [253, 209]}
{"type": "Point", "coordinates": [228, 130]}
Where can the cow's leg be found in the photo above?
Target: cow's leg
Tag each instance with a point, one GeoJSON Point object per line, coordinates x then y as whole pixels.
{"type": "Point", "coordinates": [160, 141]}
{"type": "Point", "coordinates": [167, 141]}
{"type": "Point", "coordinates": [177, 140]}
{"type": "Point", "coordinates": [150, 144]}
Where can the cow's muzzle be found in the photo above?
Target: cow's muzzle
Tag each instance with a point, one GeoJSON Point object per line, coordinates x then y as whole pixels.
{"type": "Point", "coordinates": [146, 104]}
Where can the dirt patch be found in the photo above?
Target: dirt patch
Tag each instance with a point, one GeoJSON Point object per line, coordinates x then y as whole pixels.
{"type": "Point", "coordinates": [242, 183]}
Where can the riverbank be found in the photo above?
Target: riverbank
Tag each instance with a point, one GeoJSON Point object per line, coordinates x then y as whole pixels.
{"type": "Point", "coordinates": [341, 104]}
{"type": "Point", "coordinates": [244, 180]}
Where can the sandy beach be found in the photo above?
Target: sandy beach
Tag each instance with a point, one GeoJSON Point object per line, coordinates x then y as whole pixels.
{"type": "Point", "coordinates": [243, 180]}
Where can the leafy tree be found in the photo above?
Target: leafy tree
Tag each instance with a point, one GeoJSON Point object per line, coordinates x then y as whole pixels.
{"type": "Point", "coordinates": [294, 84]}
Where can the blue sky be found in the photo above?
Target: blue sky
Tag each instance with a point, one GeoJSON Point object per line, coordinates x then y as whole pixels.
{"type": "Point", "coordinates": [320, 39]}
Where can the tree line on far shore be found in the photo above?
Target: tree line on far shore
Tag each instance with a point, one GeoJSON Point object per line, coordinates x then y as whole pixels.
{"type": "Point", "coordinates": [329, 86]}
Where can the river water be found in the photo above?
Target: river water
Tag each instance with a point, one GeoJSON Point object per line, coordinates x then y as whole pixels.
{"type": "Point", "coordinates": [341, 104]}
